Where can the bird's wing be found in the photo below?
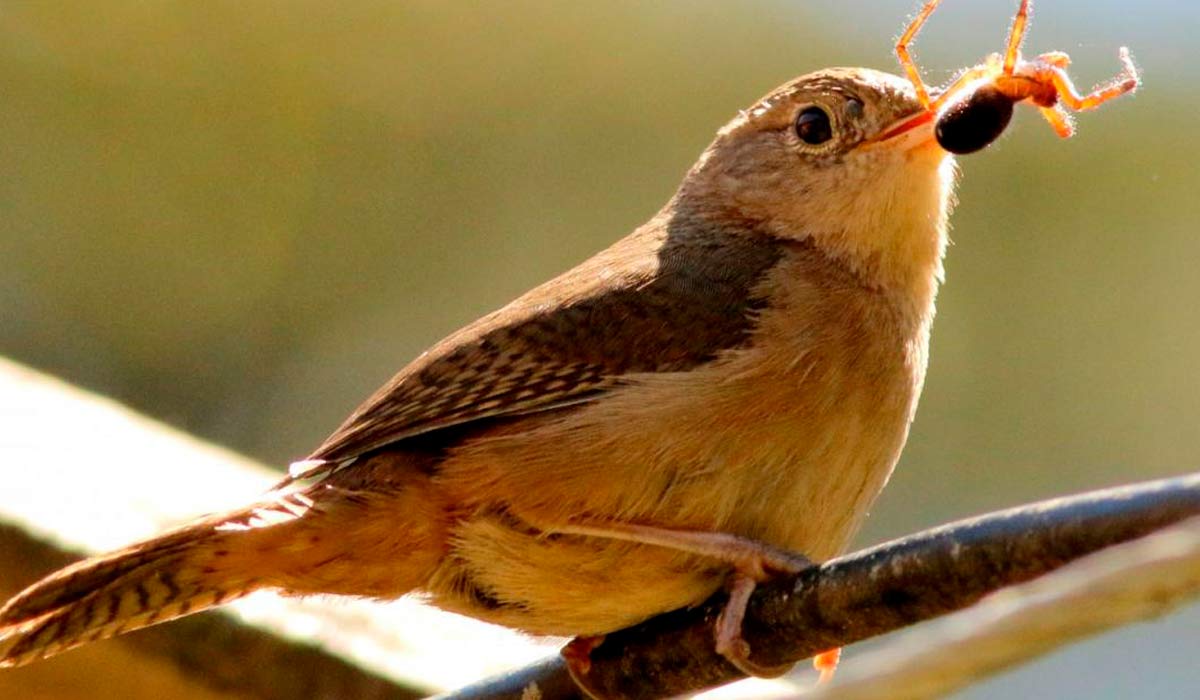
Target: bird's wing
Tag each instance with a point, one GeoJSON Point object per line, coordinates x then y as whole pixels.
{"type": "Point", "coordinates": [657, 301]}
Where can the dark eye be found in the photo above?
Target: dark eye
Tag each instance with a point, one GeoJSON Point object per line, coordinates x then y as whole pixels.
{"type": "Point", "coordinates": [813, 127]}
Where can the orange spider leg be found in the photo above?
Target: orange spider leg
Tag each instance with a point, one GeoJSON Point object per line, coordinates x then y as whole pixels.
{"type": "Point", "coordinates": [1058, 59]}
{"type": "Point", "coordinates": [1059, 119]}
{"type": "Point", "coordinates": [906, 60]}
{"type": "Point", "coordinates": [1015, 36]}
{"type": "Point", "coordinates": [968, 77]}
{"type": "Point", "coordinates": [1126, 81]}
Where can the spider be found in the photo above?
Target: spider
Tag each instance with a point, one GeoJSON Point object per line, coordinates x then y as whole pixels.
{"type": "Point", "coordinates": [976, 107]}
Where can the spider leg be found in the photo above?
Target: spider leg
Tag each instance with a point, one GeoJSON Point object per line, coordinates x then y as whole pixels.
{"type": "Point", "coordinates": [969, 76]}
{"type": "Point", "coordinates": [906, 59]}
{"type": "Point", "coordinates": [1058, 59]}
{"type": "Point", "coordinates": [1059, 119]}
{"type": "Point", "coordinates": [1126, 81]}
{"type": "Point", "coordinates": [1015, 36]}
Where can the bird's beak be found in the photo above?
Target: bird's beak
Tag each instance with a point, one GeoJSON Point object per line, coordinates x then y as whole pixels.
{"type": "Point", "coordinates": [907, 133]}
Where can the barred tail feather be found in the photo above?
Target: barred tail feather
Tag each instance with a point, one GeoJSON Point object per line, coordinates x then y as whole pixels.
{"type": "Point", "coordinates": [380, 543]}
{"type": "Point", "coordinates": [192, 568]}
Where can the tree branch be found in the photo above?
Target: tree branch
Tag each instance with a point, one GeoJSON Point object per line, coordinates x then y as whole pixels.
{"type": "Point", "coordinates": [862, 595]}
{"type": "Point", "coordinates": [1121, 584]}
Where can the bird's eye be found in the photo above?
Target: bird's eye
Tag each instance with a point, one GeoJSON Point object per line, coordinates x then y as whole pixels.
{"type": "Point", "coordinates": [813, 127]}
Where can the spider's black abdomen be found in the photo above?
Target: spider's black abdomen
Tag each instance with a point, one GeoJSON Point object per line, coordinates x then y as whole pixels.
{"type": "Point", "coordinates": [972, 122]}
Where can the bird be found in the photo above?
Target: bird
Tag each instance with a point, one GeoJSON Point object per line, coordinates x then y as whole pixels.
{"type": "Point", "coordinates": [720, 395]}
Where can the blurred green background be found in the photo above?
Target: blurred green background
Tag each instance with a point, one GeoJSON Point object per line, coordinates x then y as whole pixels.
{"type": "Point", "coordinates": [243, 217]}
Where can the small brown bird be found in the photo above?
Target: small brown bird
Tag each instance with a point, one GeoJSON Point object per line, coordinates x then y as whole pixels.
{"type": "Point", "coordinates": [720, 394]}
{"type": "Point", "coordinates": [731, 382]}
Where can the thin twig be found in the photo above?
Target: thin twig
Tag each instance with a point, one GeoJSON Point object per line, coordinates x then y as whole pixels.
{"type": "Point", "coordinates": [861, 595]}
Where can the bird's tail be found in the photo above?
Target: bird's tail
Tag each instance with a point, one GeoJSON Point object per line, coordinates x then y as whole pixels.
{"type": "Point", "coordinates": [376, 542]}
{"type": "Point", "coordinates": [186, 570]}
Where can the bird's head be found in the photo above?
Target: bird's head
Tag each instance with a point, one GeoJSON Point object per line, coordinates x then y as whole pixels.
{"type": "Point", "coordinates": [845, 158]}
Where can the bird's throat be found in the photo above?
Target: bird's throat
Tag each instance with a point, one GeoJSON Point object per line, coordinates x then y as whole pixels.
{"type": "Point", "coordinates": [893, 235]}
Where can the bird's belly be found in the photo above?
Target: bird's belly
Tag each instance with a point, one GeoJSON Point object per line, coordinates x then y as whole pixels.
{"type": "Point", "coordinates": [564, 585]}
{"type": "Point", "coordinates": [787, 478]}
{"type": "Point", "coordinates": [503, 566]}
{"type": "Point", "coordinates": [504, 570]}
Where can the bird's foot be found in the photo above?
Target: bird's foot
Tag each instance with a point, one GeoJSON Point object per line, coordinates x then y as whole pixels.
{"type": "Point", "coordinates": [578, 655]}
{"type": "Point", "coordinates": [826, 664]}
{"type": "Point", "coordinates": [752, 563]}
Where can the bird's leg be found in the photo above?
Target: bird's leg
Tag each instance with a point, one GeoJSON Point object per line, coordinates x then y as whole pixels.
{"type": "Point", "coordinates": [826, 663]}
{"type": "Point", "coordinates": [578, 655]}
{"type": "Point", "coordinates": [728, 630]}
{"type": "Point", "coordinates": [752, 562]}
{"type": "Point", "coordinates": [744, 554]}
